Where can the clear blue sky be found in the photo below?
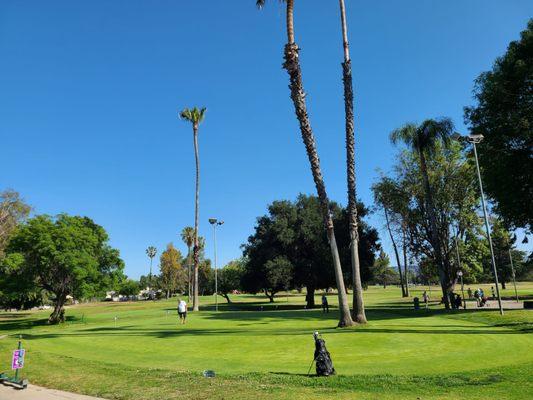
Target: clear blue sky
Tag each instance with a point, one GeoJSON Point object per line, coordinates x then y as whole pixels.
{"type": "Point", "coordinates": [89, 93]}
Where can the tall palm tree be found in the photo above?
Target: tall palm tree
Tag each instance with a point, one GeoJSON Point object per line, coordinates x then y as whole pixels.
{"type": "Point", "coordinates": [151, 252]}
{"type": "Point", "coordinates": [292, 65]}
{"type": "Point", "coordinates": [358, 301]}
{"type": "Point", "coordinates": [187, 235]}
{"type": "Point", "coordinates": [423, 139]}
{"type": "Point", "coordinates": [195, 116]}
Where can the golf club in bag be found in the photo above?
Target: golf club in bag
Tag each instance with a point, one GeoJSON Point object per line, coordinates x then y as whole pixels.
{"type": "Point", "coordinates": [324, 365]}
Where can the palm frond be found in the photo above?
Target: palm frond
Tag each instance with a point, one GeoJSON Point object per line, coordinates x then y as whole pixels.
{"type": "Point", "coordinates": [405, 134]}
{"type": "Point", "coordinates": [193, 115]}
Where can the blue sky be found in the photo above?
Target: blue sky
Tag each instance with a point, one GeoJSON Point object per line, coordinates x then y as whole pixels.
{"type": "Point", "coordinates": [90, 92]}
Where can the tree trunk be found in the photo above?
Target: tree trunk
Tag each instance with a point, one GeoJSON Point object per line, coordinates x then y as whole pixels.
{"type": "Point", "coordinates": [292, 66]}
{"type": "Point", "coordinates": [406, 270]}
{"type": "Point", "coordinates": [196, 249]}
{"type": "Point", "coordinates": [225, 295]}
{"type": "Point", "coordinates": [396, 253]}
{"type": "Point", "coordinates": [58, 315]}
{"type": "Point", "coordinates": [189, 274]}
{"type": "Point", "coordinates": [270, 296]}
{"type": "Point", "coordinates": [358, 301]}
{"type": "Point", "coordinates": [444, 279]}
{"type": "Point", "coordinates": [310, 297]}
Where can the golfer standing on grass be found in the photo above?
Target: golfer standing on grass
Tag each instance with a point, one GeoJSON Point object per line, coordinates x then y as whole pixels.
{"type": "Point", "coordinates": [182, 310]}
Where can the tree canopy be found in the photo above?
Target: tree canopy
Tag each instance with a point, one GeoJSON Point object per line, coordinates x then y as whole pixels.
{"type": "Point", "coordinates": [295, 232]}
{"type": "Point", "coordinates": [504, 116]}
{"type": "Point", "coordinates": [63, 256]}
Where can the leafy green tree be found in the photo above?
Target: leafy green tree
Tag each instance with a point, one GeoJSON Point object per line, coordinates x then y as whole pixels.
{"type": "Point", "coordinates": [424, 140]}
{"type": "Point", "coordinates": [503, 245]}
{"type": "Point", "coordinates": [13, 211]}
{"type": "Point", "coordinates": [172, 274]}
{"type": "Point", "coordinates": [129, 287]}
{"type": "Point", "coordinates": [195, 116]}
{"type": "Point", "coordinates": [229, 278]}
{"type": "Point", "coordinates": [187, 236]}
{"type": "Point", "coordinates": [504, 116]}
{"type": "Point", "coordinates": [393, 200]}
{"type": "Point", "coordinates": [295, 231]}
{"type": "Point", "coordinates": [206, 278]}
{"type": "Point", "coordinates": [292, 65]}
{"type": "Point", "coordinates": [383, 272]}
{"type": "Point", "coordinates": [65, 255]}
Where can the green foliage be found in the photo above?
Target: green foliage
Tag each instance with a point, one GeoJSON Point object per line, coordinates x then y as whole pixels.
{"type": "Point", "coordinates": [193, 115]}
{"type": "Point", "coordinates": [129, 287]}
{"type": "Point", "coordinates": [173, 276]}
{"type": "Point", "coordinates": [65, 255]}
{"type": "Point", "coordinates": [383, 272]}
{"type": "Point", "coordinates": [295, 231]}
{"type": "Point", "coordinates": [455, 198]}
{"type": "Point", "coordinates": [13, 211]}
{"type": "Point", "coordinates": [229, 278]}
{"type": "Point", "coordinates": [504, 116]}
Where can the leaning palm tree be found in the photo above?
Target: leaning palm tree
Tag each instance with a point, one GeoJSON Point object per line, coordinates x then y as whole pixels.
{"type": "Point", "coordinates": [195, 116]}
{"type": "Point", "coordinates": [187, 235]}
{"type": "Point", "coordinates": [423, 140]}
{"type": "Point", "coordinates": [292, 65]}
{"type": "Point", "coordinates": [358, 302]}
{"type": "Point", "coordinates": [151, 251]}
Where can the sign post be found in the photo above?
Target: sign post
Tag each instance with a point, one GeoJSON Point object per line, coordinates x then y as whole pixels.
{"type": "Point", "coordinates": [17, 362]}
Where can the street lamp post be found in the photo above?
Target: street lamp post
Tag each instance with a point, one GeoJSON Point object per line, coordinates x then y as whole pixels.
{"type": "Point", "coordinates": [460, 272]}
{"type": "Point", "coordinates": [475, 139]}
{"type": "Point", "coordinates": [512, 271]}
{"type": "Point", "coordinates": [215, 222]}
{"type": "Point", "coordinates": [460, 275]}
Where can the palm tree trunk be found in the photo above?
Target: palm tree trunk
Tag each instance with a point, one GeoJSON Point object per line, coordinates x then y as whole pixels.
{"type": "Point", "coordinates": [404, 248]}
{"type": "Point", "coordinates": [358, 301]}
{"type": "Point", "coordinates": [443, 271]}
{"type": "Point", "coordinates": [196, 249]}
{"type": "Point", "coordinates": [292, 66]}
{"type": "Point", "coordinates": [188, 274]}
{"type": "Point", "coordinates": [395, 248]}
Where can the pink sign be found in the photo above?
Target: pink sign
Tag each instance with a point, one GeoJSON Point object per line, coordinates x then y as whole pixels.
{"type": "Point", "coordinates": [18, 359]}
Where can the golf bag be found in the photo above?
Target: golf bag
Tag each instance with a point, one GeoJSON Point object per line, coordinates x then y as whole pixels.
{"type": "Point", "coordinates": [324, 365]}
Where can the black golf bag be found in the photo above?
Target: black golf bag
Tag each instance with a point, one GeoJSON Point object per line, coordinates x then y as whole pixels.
{"type": "Point", "coordinates": [324, 365]}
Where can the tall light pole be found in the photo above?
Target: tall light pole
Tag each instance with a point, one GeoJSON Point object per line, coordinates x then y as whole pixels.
{"type": "Point", "coordinates": [514, 278]}
{"type": "Point", "coordinates": [476, 139]}
{"type": "Point", "coordinates": [215, 222]}
{"type": "Point", "coordinates": [460, 275]}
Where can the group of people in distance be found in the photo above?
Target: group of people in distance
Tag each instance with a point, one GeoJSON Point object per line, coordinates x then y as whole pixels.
{"type": "Point", "coordinates": [479, 295]}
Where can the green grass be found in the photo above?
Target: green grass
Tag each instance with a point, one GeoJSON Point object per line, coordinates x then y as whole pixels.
{"type": "Point", "coordinates": [401, 353]}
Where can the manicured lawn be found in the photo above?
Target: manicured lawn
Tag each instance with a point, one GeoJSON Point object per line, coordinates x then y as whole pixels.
{"type": "Point", "coordinates": [401, 353]}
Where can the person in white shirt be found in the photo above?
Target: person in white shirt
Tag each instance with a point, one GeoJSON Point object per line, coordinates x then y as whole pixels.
{"type": "Point", "coordinates": [182, 310]}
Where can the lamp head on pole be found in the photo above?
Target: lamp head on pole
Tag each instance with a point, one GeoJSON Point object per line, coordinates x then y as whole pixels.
{"type": "Point", "coordinates": [459, 274]}
{"type": "Point", "coordinates": [213, 221]}
{"type": "Point", "coordinates": [477, 138]}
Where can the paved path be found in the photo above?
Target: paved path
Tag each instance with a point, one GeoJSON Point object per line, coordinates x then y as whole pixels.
{"type": "Point", "coordinates": [39, 393]}
{"type": "Point", "coordinates": [493, 305]}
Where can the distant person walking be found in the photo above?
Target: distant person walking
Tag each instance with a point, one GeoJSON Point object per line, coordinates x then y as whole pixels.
{"type": "Point", "coordinates": [493, 292]}
{"type": "Point", "coordinates": [469, 291]}
{"type": "Point", "coordinates": [325, 305]}
{"type": "Point", "coordinates": [182, 311]}
{"type": "Point", "coordinates": [425, 297]}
